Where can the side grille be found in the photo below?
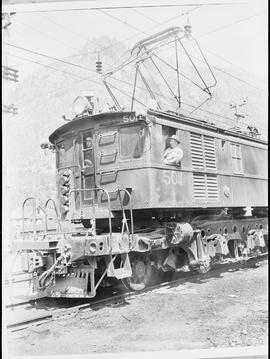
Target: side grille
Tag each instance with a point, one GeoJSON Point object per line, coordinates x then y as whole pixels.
{"type": "Point", "coordinates": [196, 150]}
{"type": "Point", "coordinates": [203, 153]}
{"type": "Point", "coordinates": [212, 187]}
{"type": "Point", "coordinates": [199, 187]}
{"type": "Point", "coordinates": [205, 187]}
{"type": "Point", "coordinates": [209, 152]}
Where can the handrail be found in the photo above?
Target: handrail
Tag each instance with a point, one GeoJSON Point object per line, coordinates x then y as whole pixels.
{"type": "Point", "coordinates": [34, 214]}
{"type": "Point", "coordinates": [130, 209]}
{"type": "Point", "coordinates": [109, 203]}
{"type": "Point", "coordinates": [56, 212]}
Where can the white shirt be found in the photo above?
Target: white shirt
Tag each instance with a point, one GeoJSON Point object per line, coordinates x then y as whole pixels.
{"type": "Point", "coordinates": [173, 156]}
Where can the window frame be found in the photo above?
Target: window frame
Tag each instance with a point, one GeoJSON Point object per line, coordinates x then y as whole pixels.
{"type": "Point", "coordinates": [84, 150]}
{"type": "Point", "coordinates": [68, 161]}
{"type": "Point", "coordinates": [141, 127]}
{"type": "Point", "coordinates": [236, 157]}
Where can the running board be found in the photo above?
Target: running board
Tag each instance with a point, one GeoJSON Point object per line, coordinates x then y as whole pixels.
{"type": "Point", "coordinates": [123, 271]}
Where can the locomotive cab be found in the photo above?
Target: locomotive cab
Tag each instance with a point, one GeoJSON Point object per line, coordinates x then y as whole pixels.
{"type": "Point", "coordinates": [106, 151]}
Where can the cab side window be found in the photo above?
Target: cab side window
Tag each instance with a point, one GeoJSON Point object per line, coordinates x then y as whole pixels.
{"type": "Point", "coordinates": [167, 132]}
{"type": "Point", "coordinates": [173, 152]}
{"type": "Point", "coordinates": [131, 141]}
{"type": "Point", "coordinates": [87, 149]}
{"type": "Point", "coordinates": [236, 157]}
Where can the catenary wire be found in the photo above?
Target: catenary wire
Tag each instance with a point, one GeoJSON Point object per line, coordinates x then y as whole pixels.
{"type": "Point", "coordinates": [96, 81]}
{"type": "Point", "coordinates": [136, 35]}
{"type": "Point", "coordinates": [202, 35]}
{"type": "Point", "coordinates": [231, 24]}
{"type": "Point", "coordinates": [217, 68]}
{"type": "Point", "coordinates": [119, 80]}
{"type": "Point", "coordinates": [121, 91]}
{"type": "Point", "coordinates": [47, 35]}
{"type": "Point", "coordinates": [47, 56]}
{"type": "Point", "coordinates": [53, 68]}
{"type": "Point", "coordinates": [133, 7]}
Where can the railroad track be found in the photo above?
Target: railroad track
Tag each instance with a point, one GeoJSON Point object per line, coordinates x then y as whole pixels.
{"type": "Point", "coordinates": [120, 298]}
{"type": "Point", "coordinates": [14, 281]}
{"type": "Point", "coordinates": [16, 277]}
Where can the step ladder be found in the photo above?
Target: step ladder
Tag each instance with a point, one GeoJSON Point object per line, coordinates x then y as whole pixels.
{"type": "Point", "coordinates": [123, 271]}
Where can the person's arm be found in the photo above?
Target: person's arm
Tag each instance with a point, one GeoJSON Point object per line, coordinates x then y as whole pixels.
{"type": "Point", "coordinates": [174, 158]}
{"type": "Point", "coordinates": [165, 153]}
{"type": "Point", "coordinates": [178, 155]}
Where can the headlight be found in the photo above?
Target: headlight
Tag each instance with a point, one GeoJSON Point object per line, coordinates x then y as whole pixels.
{"type": "Point", "coordinates": [82, 104]}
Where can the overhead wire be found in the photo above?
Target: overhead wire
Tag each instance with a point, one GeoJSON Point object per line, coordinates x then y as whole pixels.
{"type": "Point", "coordinates": [136, 35]}
{"type": "Point", "coordinates": [140, 31]}
{"type": "Point", "coordinates": [89, 79]}
{"type": "Point", "coordinates": [47, 35]}
{"type": "Point", "coordinates": [231, 24]}
{"type": "Point", "coordinates": [227, 61]}
{"type": "Point", "coordinates": [221, 28]}
{"type": "Point", "coordinates": [121, 91]}
{"type": "Point", "coordinates": [53, 68]}
{"type": "Point", "coordinates": [159, 25]}
{"type": "Point", "coordinates": [63, 27]}
{"type": "Point", "coordinates": [207, 111]}
{"type": "Point", "coordinates": [172, 5]}
{"type": "Point", "coordinates": [215, 30]}
{"type": "Point", "coordinates": [154, 27]}
{"type": "Point", "coordinates": [197, 108]}
{"type": "Point", "coordinates": [123, 22]}
{"type": "Point", "coordinates": [47, 56]}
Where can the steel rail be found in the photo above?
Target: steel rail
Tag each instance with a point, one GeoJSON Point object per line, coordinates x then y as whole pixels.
{"type": "Point", "coordinates": [64, 313]}
{"type": "Point", "coordinates": [14, 281]}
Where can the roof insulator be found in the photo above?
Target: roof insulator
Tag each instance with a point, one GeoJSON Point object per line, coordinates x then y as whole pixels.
{"type": "Point", "coordinates": [98, 65]}
{"type": "Point", "coordinates": [188, 29]}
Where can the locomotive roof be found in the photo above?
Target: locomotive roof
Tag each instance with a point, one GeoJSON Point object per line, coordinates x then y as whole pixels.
{"type": "Point", "coordinates": [76, 123]}
{"type": "Point", "coordinates": [81, 121]}
{"type": "Point", "coordinates": [203, 124]}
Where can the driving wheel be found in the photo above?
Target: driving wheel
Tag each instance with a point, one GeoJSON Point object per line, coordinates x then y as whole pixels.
{"type": "Point", "coordinates": [141, 273]}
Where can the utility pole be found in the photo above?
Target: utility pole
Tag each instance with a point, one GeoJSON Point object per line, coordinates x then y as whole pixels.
{"type": "Point", "coordinates": [8, 73]}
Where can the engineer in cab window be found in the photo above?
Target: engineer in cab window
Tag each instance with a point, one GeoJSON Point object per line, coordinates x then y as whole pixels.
{"type": "Point", "coordinates": [88, 152]}
{"type": "Point", "coordinates": [173, 154]}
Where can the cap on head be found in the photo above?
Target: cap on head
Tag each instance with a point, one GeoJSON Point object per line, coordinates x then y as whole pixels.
{"type": "Point", "coordinates": [88, 139]}
{"type": "Point", "coordinates": [176, 138]}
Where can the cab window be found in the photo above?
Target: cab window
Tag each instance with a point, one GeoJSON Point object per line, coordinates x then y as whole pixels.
{"type": "Point", "coordinates": [87, 150]}
{"type": "Point", "coordinates": [167, 132]}
{"type": "Point", "coordinates": [131, 142]}
{"type": "Point", "coordinates": [64, 153]}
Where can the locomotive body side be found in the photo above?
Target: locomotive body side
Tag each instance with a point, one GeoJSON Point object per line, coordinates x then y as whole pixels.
{"type": "Point", "coordinates": [217, 169]}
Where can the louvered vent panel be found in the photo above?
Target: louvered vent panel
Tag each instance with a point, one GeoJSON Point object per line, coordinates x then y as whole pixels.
{"type": "Point", "coordinates": [199, 187]}
{"type": "Point", "coordinates": [209, 152]}
{"type": "Point", "coordinates": [196, 150]}
{"type": "Point", "coordinates": [212, 187]}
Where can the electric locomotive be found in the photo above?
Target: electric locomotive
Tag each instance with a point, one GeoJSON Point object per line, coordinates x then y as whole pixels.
{"type": "Point", "coordinates": [123, 214]}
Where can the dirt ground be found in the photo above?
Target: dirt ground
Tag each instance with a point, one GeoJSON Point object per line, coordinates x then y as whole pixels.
{"type": "Point", "coordinates": [226, 310]}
